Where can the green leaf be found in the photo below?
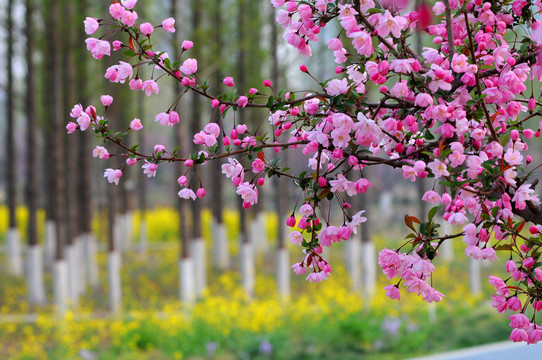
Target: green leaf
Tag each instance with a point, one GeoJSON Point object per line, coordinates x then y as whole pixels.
{"type": "Point", "coordinates": [432, 213]}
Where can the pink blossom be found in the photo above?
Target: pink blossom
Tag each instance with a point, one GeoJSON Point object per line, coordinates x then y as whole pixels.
{"type": "Point", "coordinates": [149, 168]}
{"type": "Point", "coordinates": [295, 237]}
{"type": "Point", "coordinates": [150, 87]}
{"type": "Point", "coordinates": [328, 235]}
{"type": "Point", "coordinates": [336, 87]}
{"type": "Point", "coordinates": [228, 81]}
{"type": "Point", "coordinates": [187, 45]}
{"type": "Point", "coordinates": [106, 100]}
{"type": "Point", "coordinates": [518, 335]}
{"type": "Point", "coordinates": [248, 193]}
{"type": "Point", "coordinates": [187, 193]}
{"type": "Point", "coordinates": [100, 152]}
{"type": "Point", "coordinates": [84, 121]}
{"type": "Point", "coordinates": [128, 4]}
{"type": "Point", "coordinates": [91, 25]}
{"type": "Point", "coordinates": [136, 125]}
{"type": "Point", "coordinates": [113, 175]}
{"type": "Point", "coordinates": [242, 101]}
{"type": "Point", "coordinates": [129, 18]}
{"type": "Point", "coordinates": [393, 292]}
{"type": "Point", "coordinates": [116, 10]}
{"type": "Point", "coordinates": [98, 48]}
{"type": "Point", "coordinates": [146, 29]}
{"type": "Point", "coordinates": [71, 127]}
{"type": "Point", "coordinates": [189, 66]}
{"type": "Point", "coordinates": [169, 25]}
{"type": "Point", "coordinates": [306, 210]}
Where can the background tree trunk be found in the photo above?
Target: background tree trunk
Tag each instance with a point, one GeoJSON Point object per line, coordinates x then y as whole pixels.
{"type": "Point", "coordinates": [13, 241]}
{"type": "Point", "coordinates": [35, 284]}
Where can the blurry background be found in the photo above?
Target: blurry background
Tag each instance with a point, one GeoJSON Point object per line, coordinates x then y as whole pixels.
{"type": "Point", "coordinates": [89, 269]}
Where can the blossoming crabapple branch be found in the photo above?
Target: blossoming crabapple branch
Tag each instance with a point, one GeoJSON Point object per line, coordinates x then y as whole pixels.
{"type": "Point", "coordinates": [457, 113]}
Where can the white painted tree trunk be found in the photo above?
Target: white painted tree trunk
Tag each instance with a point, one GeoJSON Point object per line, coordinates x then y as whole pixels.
{"type": "Point", "coordinates": [352, 248]}
{"type": "Point", "coordinates": [114, 280]}
{"type": "Point", "coordinates": [187, 286]}
{"type": "Point", "coordinates": [221, 254]}
{"type": "Point", "coordinates": [127, 226]}
{"type": "Point", "coordinates": [247, 268]}
{"type": "Point", "coordinates": [143, 237]}
{"type": "Point", "coordinates": [259, 233]}
{"type": "Point", "coordinates": [50, 243]}
{"type": "Point", "coordinates": [446, 250]}
{"type": "Point", "coordinates": [34, 275]}
{"type": "Point", "coordinates": [368, 263]}
{"type": "Point", "coordinates": [73, 273]}
{"type": "Point", "coordinates": [474, 276]}
{"type": "Point", "coordinates": [14, 252]}
{"type": "Point", "coordinates": [283, 272]}
{"type": "Point", "coordinates": [60, 286]}
{"type": "Point", "coordinates": [200, 265]}
{"type": "Point", "coordinates": [118, 237]}
{"type": "Point", "coordinates": [90, 248]}
{"type": "Point", "coordinates": [82, 264]}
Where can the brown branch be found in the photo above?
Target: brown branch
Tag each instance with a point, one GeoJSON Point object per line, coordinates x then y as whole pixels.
{"type": "Point", "coordinates": [451, 45]}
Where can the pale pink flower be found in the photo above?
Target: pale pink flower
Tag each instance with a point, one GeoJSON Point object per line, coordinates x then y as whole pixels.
{"type": "Point", "coordinates": [129, 18]}
{"type": "Point", "coordinates": [106, 100]}
{"type": "Point", "coordinates": [150, 87]}
{"type": "Point", "coordinates": [100, 152]}
{"type": "Point", "coordinates": [248, 193]}
{"type": "Point", "coordinates": [146, 29]}
{"type": "Point", "coordinates": [393, 292]}
{"type": "Point", "coordinates": [149, 168]}
{"type": "Point", "coordinates": [242, 101]}
{"type": "Point", "coordinates": [169, 25]}
{"type": "Point", "coordinates": [113, 175]}
{"type": "Point", "coordinates": [71, 127]}
{"type": "Point", "coordinates": [84, 121]}
{"type": "Point", "coordinates": [98, 48]}
{"type": "Point", "coordinates": [432, 197]}
{"type": "Point", "coordinates": [128, 4]}
{"type": "Point", "coordinates": [336, 87]}
{"type": "Point", "coordinates": [295, 237]}
{"type": "Point", "coordinates": [91, 25]}
{"type": "Point", "coordinates": [116, 10]}
{"type": "Point", "coordinates": [189, 66]}
{"type": "Point", "coordinates": [187, 44]}
{"type": "Point", "coordinates": [306, 210]}
{"type": "Point", "coordinates": [187, 193]}
{"type": "Point", "coordinates": [258, 166]}
{"type": "Point", "coordinates": [136, 125]}
{"type": "Point", "coordinates": [438, 168]}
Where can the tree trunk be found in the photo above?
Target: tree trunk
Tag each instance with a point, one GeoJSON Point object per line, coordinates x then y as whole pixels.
{"type": "Point", "coordinates": [13, 242]}
{"type": "Point", "coordinates": [197, 249]}
{"type": "Point", "coordinates": [35, 283]}
{"type": "Point", "coordinates": [57, 156]}
{"type": "Point", "coordinates": [221, 258]}
{"type": "Point", "coordinates": [368, 254]}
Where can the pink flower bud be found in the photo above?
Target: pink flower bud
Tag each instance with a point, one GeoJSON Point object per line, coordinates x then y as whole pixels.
{"type": "Point", "coordinates": [237, 142]}
{"type": "Point", "coordinates": [533, 230]}
{"type": "Point", "coordinates": [241, 128]}
{"type": "Point", "coordinates": [136, 125]}
{"type": "Point", "coordinates": [252, 91]}
{"type": "Point", "coordinates": [352, 160]}
{"type": "Point", "coordinates": [532, 103]}
{"type": "Point", "coordinates": [267, 83]}
{"type": "Point", "coordinates": [261, 181]}
{"type": "Point", "coordinates": [188, 163]}
{"type": "Point", "coordinates": [337, 154]}
{"type": "Point", "coordinates": [528, 159]}
{"type": "Point", "coordinates": [187, 44]}
{"type": "Point", "coordinates": [146, 29]}
{"type": "Point", "coordinates": [339, 70]}
{"type": "Point", "coordinates": [200, 192]}
{"type": "Point", "coordinates": [290, 221]}
{"type": "Point", "coordinates": [383, 89]}
{"type": "Point", "coordinates": [226, 141]}
{"type": "Point", "coordinates": [303, 68]}
{"type": "Point", "coordinates": [322, 182]}
{"type": "Point", "coordinates": [514, 135]}
{"type": "Point", "coordinates": [511, 61]}
{"type": "Point", "coordinates": [294, 111]}
{"type": "Point", "coordinates": [131, 161]}
{"type": "Point", "coordinates": [234, 134]}
{"type": "Point", "coordinates": [242, 101]}
{"type": "Point", "coordinates": [71, 127]}
{"type": "Point", "coordinates": [182, 180]}
{"type": "Point", "coordinates": [228, 81]}
{"type": "Point", "coordinates": [302, 223]}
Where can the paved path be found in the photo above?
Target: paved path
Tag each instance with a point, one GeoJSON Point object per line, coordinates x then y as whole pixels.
{"type": "Point", "coordinates": [505, 350]}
